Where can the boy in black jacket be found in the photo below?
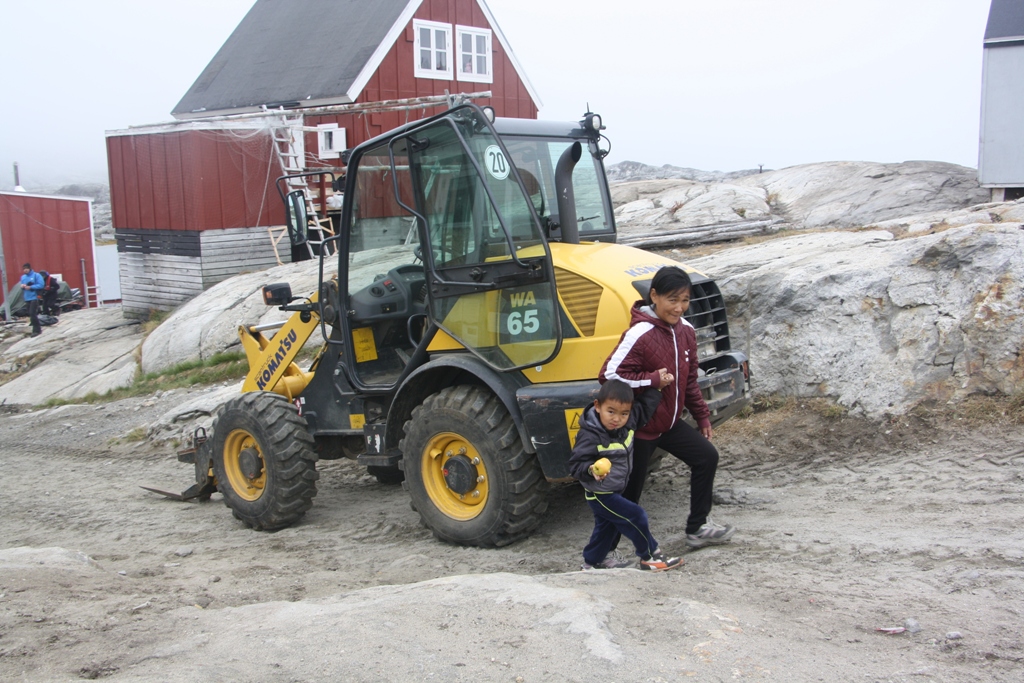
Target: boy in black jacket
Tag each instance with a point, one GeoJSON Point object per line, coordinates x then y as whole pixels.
{"type": "Point", "coordinates": [606, 431]}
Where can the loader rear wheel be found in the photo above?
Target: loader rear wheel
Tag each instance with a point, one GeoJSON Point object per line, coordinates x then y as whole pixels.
{"type": "Point", "coordinates": [466, 471]}
{"type": "Point", "coordinates": [264, 461]}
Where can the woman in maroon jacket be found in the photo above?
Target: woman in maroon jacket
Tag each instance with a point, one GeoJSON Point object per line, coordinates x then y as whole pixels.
{"type": "Point", "coordinates": [660, 339]}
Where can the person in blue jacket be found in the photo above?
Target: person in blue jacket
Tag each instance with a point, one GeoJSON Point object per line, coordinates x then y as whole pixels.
{"type": "Point", "coordinates": [32, 284]}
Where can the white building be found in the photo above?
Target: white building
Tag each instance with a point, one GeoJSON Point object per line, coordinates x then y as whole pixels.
{"type": "Point", "coordinates": [1001, 149]}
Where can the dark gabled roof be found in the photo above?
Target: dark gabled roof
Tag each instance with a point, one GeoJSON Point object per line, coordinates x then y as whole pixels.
{"type": "Point", "coordinates": [288, 51]}
{"type": "Point", "coordinates": [1005, 20]}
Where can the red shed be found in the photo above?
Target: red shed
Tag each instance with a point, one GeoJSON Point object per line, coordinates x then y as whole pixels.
{"type": "Point", "coordinates": [50, 232]}
{"type": "Point", "coordinates": [295, 84]}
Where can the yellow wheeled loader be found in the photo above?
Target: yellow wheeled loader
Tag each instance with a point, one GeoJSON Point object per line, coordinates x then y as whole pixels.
{"type": "Point", "coordinates": [479, 290]}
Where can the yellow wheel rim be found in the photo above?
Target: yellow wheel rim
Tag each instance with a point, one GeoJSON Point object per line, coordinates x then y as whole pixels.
{"type": "Point", "coordinates": [441, 448]}
{"type": "Point", "coordinates": [248, 489]}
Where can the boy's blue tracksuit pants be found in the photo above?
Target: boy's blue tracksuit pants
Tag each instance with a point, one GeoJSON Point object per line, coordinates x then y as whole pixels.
{"type": "Point", "coordinates": [614, 515]}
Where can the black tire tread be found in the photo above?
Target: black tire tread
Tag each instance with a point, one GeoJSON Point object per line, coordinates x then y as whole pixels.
{"type": "Point", "coordinates": [288, 451]}
{"type": "Point", "coordinates": [523, 499]}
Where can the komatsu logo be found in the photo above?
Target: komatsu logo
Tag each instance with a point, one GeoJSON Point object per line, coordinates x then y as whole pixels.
{"type": "Point", "coordinates": [642, 270]}
{"type": "Point", "coordinates": [271, 366]}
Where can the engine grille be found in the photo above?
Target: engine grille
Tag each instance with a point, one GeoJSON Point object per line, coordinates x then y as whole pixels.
{"type": "Point", "coordinates": [707, 315]}
{"type": "Point", "coordinates": [581, 298]}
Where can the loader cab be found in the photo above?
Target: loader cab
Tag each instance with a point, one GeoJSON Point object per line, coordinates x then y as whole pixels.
{"type": "Point", "coordinates": [535, 148]}
{"type": "Point", "coordinates": [443, 237]}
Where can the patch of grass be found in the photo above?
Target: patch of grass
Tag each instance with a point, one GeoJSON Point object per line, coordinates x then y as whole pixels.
{"type": "Point", "coordinates": [826, 408]}
{"type": "Point", "coordinates": [218, 368]}
{"type": "Point", "coordinates": [977, 409]}
{"type": "Point", "coordinates": [1016, 407]}
{"type": "Point", "coordinates": [783, 405]}
{"type": "Point", "coordinates": [190, 366]}
{"type": "Point", "coordinates": [769, 402]}
{"type": "Point", "coordinates": [153, 321]}
{"type": "Point", "coordinates": [137, 434]}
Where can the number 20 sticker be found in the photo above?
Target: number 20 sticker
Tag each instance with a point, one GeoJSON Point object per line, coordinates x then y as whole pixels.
{"type": "Point", "coordinates": [496, 163]}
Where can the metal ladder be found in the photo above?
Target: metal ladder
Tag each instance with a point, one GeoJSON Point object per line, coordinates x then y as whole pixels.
{"type": "Point", "coordinates": [289, 148]}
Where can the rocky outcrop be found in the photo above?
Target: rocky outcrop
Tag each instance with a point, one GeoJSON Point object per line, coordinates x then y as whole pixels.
{"type": "Point", "coordinates": [88, 351]}
{"type": "Point", "coordinates": [835, 194]}
{"type": "Point", "coordinates": [879, 323]}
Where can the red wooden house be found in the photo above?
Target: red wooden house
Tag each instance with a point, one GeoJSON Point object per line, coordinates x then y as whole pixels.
{"type": "Point", "coordinates": [296, 83]}
{"type": "Point", "coordinates": [52, 233]}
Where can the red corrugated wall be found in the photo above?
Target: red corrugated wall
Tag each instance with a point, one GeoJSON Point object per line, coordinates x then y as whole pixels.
{"type": "Point", "coordinates": [193, 180]}
{"type": "Point", "coordinates": [51, 233]}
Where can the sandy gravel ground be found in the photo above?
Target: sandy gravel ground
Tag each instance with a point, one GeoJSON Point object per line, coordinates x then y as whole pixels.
{"type": "Point", "coordinates": [845, 527]}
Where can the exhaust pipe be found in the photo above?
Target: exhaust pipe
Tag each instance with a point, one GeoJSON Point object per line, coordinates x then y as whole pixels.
{"type": "Point", "coordinates": [566, 196]}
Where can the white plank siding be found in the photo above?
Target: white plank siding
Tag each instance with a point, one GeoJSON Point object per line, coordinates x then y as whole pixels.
{"type": "Point", "coordinates": [151, 280]}
{"type": "Point", "coordinates": [238, 250]}
{"type": "Point", "coordinates": [158, 281]}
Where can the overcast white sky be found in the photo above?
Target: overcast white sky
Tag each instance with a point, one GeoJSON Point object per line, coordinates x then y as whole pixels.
{"type": "Point", "coordinates": [719, 85]}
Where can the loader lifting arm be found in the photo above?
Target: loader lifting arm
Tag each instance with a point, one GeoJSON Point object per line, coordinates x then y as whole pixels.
{"type": "Point", "coordinates": [271, 360]}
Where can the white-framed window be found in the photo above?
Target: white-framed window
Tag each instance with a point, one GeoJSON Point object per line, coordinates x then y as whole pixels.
{"type": "Point", "coordinates": [433, 47]}
{"type": "Point", "coordinates": [331, 140]}
{"type": "Point", "coordinates": [473, 46]}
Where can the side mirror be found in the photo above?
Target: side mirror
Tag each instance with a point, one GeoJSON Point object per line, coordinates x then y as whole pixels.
{"type": "Point", "coordinates": [298, 221]}
{"type": "Point", "coordinates": [277, 294]}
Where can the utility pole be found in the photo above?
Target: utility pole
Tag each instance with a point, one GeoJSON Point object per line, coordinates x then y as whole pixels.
{"type": "Point", "coordinates": [3, 278]}
{"type": "Point", "coordinates": [3, 262]}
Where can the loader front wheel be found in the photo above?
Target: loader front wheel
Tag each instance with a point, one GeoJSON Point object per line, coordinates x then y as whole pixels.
{"type": "Point", "coordinates": [264, 461]}
{"type": "Point", "coordinates": [467, 472]}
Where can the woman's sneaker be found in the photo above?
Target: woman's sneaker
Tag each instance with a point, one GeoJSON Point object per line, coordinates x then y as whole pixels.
{"type": "Point", "coordinates": [710, 534]}
{"type": "Point", "coordinates": [658, 562]}
{"type": "Point", "coordinates": [612, 561]}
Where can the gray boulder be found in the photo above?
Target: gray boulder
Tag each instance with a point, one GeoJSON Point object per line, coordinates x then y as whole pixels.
{"type": "Point", "coordinates": [878, 323]}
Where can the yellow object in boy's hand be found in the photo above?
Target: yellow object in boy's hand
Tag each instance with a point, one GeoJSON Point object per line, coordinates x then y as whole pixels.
{"type": "Point", "coordinates": [601, 467]}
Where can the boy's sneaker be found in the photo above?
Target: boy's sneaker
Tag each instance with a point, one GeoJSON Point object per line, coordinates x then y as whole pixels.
{"type": "Point", "coordinates": [658, 562]}
{"type": "Point", "coordinates": [710, 534]}
{"type": "Point", "coordinates": [612, 561]}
